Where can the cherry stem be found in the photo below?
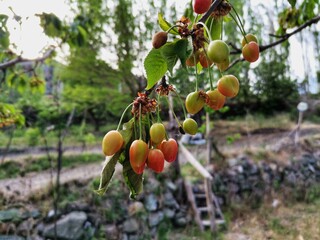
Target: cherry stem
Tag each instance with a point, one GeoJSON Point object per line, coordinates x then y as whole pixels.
{"type": "Point", "coordinates": [181, 103]}
{"type": "Point", "coordinates": [195, 19]}
{"type": "Point", "coordinates": [239, 19]}
{"type": "Point", "coordinates": [119, 124]}
{"type": "Point", "coordinates": [239, 26]}
{"type": "Point", "coordinates": [172, 28]}
{"type": "Point", "coordinates": [221, 29]}
{"type": "Point", "coordinates": [158, 109]}
{"type": "Point", "coordinates": [206, 28]}
{"type": "Point", "coordinates": [171, 108]}
{"type": "Point", "coordinates": [196, 69]}
{"type": "Point", "coordinates": [209, 69]}
{"type": "Point", "coordinates": [140, 123]}
{"type": "Point", "coordinates": [134, 127]}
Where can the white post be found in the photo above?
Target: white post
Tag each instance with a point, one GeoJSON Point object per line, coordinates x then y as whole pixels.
{"type": "Point", "coordinates": [302, 107]}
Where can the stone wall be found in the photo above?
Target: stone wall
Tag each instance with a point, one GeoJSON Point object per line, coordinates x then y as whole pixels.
{"type": "Point", "coordinates": [245, 180]}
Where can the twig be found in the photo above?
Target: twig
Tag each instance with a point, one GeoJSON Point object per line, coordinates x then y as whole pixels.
{"type": "Point", "coordinates": [20, 59]}
{"type": "Point", "coordinates": [282, 39]}
{"type": "Point", "coordinates": [214, 5]}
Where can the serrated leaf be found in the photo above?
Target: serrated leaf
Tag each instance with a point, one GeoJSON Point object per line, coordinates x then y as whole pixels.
{"type": "Point", "coordinates": [179, 49]}
{"type": "Point", "coordinates": [107, 172]}
{"type": "Point", "coordinates": [292, 3]}
{"type": "Point", "coordinates": [164, 25]}
{"type": "Point", "coordinates": [155, 66]}
{"type": "Point", "coordinates": [184, 50]}
{"type": "Point", "coordinates": [134, 181]}
{"type": "Point", "coordinates": [169, 53]}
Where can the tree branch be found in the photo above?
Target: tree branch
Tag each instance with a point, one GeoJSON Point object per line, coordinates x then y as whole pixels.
{"type": "Point", "coordinates": [214, 5]}
{"type": "Point", "coordinates": [20, 59]}
{"type": "Point", "coordinates": [282, 39]}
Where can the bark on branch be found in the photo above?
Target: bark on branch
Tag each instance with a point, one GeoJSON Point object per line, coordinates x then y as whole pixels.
{"type": "Point", "coordinates": [281, 39]}
{"type": "Point", "coordinates": [20, 59]}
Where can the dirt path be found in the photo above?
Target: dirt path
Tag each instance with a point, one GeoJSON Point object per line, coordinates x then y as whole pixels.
{"type": "Point", "coordinates": [39, 152]}
{"type": "Point", "coordinates": [22, 188]}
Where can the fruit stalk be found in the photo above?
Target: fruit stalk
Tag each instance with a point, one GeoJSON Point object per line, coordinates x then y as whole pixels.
{"type": "Point", "coordinates": [209, 70]}
{"type": "Point", "coordinates": [205, 27]}
{"type": "Point", "coordinates": [181, 103]}
{"type": "Point", "coordinates": [239, 19]}
{"type": "Point", "coordinates": [171, 108]}
{"type": "Point", "coordinates": [239, 26]}
{"type": "Point", "coordinates": [140, 123]}
{"type": "Point", "coordinates": [120, 121]}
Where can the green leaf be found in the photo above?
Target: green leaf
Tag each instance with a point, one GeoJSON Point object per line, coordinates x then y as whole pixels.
{"type": "Point", "coordinates": [11, 79]}
{"type": "Point", "coordinates": [168, 51]}
{"type": "Point", "coordinates": [4, 39]}
{"type": "Point", "coordinates": [134, 181]}
{"type": "Point", "coordinates": [184, 50]}
{"type": "Point", "coordinates": [155, 66]}
{"type": "Point", "coordinates": [107, 173]}
{"type": "Point", "coordinates": [51, 24]}
{"type": "Point", "coordinates": [179, 49]}
{"type": "Point", "coordinates": [164, 25]}
{"type": "Point", "coordinates": [22, 84]}
{"type": "Point", "coordinates": [215, 26]}
{"type": "Point", "coordinates": [292, 3]}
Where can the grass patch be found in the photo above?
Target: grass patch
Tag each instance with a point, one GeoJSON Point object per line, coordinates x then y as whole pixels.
{"type": "Point", "coordinates": [297, 221]}
{"type": "Point", "coordinates": [13, 169]}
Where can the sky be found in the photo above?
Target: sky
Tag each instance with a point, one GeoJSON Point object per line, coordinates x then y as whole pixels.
{"type": "Point", "coordinates": [31, 41]}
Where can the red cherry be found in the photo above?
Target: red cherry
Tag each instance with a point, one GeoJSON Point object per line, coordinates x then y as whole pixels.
{"type": "Point", "coordinates": [155, 160]}
{"type": "Point", "coordinates": [169, 149]}
{"type": "Point", "coordinates": [201, 6]}
{"type": "Point", "coordinates": [138, 154]}
{"type": "Point", "coordinates": [251, 52]}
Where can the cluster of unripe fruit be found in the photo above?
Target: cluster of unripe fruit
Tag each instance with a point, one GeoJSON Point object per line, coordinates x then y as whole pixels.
{"type": "Point", "coordinates": [157, 149]}
{"type": "Point", "coordinates": [142, 154]}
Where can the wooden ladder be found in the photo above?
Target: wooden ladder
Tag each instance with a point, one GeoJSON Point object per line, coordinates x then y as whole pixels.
{"type": "Point", "coordinates": [204, 204]}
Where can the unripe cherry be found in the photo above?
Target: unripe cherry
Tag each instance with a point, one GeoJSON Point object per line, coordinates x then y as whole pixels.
{"type": "Point", "coordinates": [215, 99]}
{"type": "Point", "coordinates": [249, 38]}
{"type": "Point", "coordinates": [190, 126]}
{"type": "Point", "coordinates": [157, 132]}
{"type": "Point", "coordinates": [112, 142]}
{"type": "Point", "coordinates": [228, 86]}
{"type": "Point", "coordinates": [218, 51]}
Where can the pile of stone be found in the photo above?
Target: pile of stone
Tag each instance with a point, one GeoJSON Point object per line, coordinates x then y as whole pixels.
{"type": "Point", "coordinates": [79, 220]}
{"type": "Point", "coordinates": [246, 180]}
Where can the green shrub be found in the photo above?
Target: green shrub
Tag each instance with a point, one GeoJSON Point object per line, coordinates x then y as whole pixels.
{"type": "Point", "coordinates": [32, 135]}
